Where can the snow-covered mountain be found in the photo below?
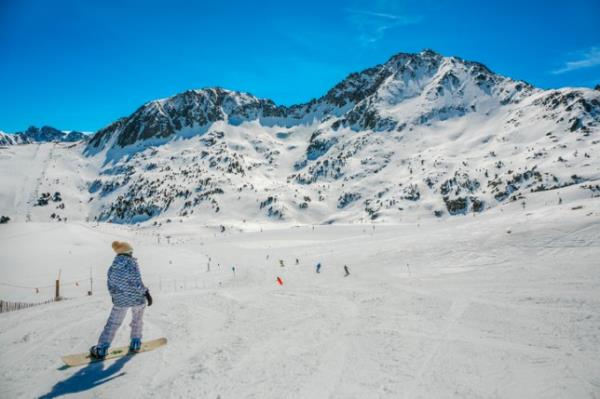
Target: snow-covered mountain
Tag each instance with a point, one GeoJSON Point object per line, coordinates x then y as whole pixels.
{"type": "Point", "coordinates": [7, 139]}
{"type": "Point", "coordinates": [422, 135]}
{"type": "Point", "coordinates": [408, 90]}
{"type": "Point", "coordinates": [45, 134]}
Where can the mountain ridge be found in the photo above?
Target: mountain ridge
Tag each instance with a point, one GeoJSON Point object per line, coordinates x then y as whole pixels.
{"type": "Point", "coordinates": [421, 135]}
{"type": "Point", "coordinates": [356, 101]}
{"type": "Point", "coordinates": [44, 134]}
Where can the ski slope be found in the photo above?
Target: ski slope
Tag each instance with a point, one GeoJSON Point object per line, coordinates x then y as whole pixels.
{"type": "Point", "coordinates": [502, 305]}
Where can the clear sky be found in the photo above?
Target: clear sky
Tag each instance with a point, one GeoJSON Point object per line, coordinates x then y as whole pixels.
{"type": "Point", "coordinates": [79, 65]}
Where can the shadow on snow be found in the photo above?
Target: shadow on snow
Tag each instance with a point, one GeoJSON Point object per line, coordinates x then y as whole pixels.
{"type": "Point", "coordinates": [91, 376]}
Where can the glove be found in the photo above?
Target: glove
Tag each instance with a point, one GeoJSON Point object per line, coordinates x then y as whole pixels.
{"type": "Point", "coordinates": [148, 297]}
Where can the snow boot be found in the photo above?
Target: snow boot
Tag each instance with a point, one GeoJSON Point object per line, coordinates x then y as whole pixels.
{"type": "Point", "coordinates": [135, 345]}
{"type": "Point", "coordinates": [99, 351]}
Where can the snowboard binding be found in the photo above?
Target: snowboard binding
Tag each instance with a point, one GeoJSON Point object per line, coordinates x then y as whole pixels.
{"type": "Point", "coordinates": [136, 345]}
{"type": "Point", "coordinates": [99, 351]}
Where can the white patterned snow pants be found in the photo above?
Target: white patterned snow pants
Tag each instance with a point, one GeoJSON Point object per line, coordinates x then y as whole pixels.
{"type": "Point", "coordinates": [117, 315]}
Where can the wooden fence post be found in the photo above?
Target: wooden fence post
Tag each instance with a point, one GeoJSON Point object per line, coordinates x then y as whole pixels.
{"type": "Point", "coordinates": [91, 283]}
{"type": "Point", "coordinates": [57, 291]}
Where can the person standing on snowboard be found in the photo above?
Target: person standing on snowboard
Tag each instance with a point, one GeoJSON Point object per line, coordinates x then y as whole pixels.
{"type": "Point", "coordinates": [128, 292]}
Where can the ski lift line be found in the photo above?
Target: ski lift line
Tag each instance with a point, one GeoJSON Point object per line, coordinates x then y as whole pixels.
{"type": "Point", "coordinates": [26, 287]}
{"type": "Point", "coordinates": [177, 285]}
{"type": "Point", "coordinates": [42, 286]}
{"type": "Point", "coordinates": [219, 279]}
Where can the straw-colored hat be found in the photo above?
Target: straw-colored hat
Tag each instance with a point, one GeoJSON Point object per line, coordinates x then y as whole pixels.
{"type": "Point", "coordinates": [122, 247]}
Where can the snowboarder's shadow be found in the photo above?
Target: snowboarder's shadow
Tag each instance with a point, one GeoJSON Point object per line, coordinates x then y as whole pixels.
{"type": "Point", "coordinates": [91, 376]}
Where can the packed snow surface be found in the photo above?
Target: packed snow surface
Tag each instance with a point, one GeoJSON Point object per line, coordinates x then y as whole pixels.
{"type": "Point", "coordinates": [501, 305]}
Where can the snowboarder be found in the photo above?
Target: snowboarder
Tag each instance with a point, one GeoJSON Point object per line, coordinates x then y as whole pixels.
{"type": "Point", "coordinates": [279, 281]}
{"type": "Point", "coordinates": [319, 267]}
{"type": "Point", "coordinates": [346, 270]}
{"type": "Point", "coordinates": [297, 261]}
{"type": "Point", "coordinates": [127, 291]}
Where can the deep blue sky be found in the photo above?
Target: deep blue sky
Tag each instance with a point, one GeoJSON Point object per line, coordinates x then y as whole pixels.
{"type": "Point", "coordinates": [79, 65]}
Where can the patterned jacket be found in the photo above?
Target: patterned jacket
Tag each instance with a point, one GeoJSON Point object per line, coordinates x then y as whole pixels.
{"type": "Point", "coordinates": [125, 282]}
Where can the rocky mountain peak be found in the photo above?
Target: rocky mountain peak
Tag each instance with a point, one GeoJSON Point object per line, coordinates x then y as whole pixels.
{"type": "Point", "coordinates": [409, 89]}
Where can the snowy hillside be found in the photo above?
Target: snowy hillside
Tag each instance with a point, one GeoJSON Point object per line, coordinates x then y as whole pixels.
{"type": "Point", "coordinates": [7, 139]}
{"type": "Point", "coordinates": [420, 136]}
{"type": "Point", "coordinates": [500, 305]}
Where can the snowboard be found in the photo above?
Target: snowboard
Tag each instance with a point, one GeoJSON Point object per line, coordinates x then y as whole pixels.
{"type": "Point", "coordinates": [80, 359]}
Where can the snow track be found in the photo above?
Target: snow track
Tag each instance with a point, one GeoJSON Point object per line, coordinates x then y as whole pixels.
{"type": "Point", "coordinates": [24, 176]}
